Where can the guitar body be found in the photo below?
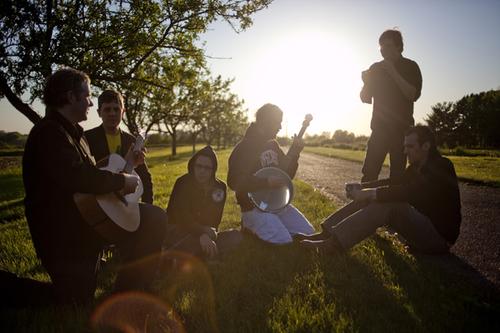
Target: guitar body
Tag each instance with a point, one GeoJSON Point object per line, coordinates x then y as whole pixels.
{"type": "Point", "coordinates": [106, 211]}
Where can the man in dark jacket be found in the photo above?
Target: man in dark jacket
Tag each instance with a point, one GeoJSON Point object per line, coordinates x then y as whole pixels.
{"type": "Point", "coordinates": [394, 84]}
{"type": "Point", "coordinates": [423, 205]}
{"type": "Point", "coordinates": [57, 164]}
{"type": "Point", "coordinates": [259, 149]}
{"type": "Point", "coordinates": [195, 207]}
{"type": "Point", "coordinates": [108, 138]}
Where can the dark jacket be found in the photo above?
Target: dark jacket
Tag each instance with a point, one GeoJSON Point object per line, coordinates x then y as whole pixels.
{"type": "Point", "coordinates": [392, 111]}
{"type": "Point", "coordinates": [432, 190]}
{"type": "Point", "coordinates": [190, 206]}
{"type": "Point", "coordinates": [96, 138]}
{"type": "Point", "coordinates": [56, 164]}
{"type": "Point", "coordinates": [251, 154]}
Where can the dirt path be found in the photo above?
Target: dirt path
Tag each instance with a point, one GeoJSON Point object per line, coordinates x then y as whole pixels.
{"type": "Point", "coordinates": [479, 242]}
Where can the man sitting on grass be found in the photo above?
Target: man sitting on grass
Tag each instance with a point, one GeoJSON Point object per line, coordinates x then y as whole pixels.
{"type": "Point", "coordinates": [423, 205]}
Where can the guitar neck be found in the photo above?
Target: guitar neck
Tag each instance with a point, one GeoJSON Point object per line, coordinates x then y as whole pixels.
{"type": "Point", "coordinates": [302, 131]}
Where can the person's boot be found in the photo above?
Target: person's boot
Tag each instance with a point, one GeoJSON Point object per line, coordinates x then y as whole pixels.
{"type": "Point", "coordinates": [314, 237]}
{"type": "Point", "coordinates": [325, 246]}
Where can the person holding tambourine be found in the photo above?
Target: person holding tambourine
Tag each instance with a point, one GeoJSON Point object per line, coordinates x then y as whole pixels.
{"type": "Point", "coordinates": [259, 149]}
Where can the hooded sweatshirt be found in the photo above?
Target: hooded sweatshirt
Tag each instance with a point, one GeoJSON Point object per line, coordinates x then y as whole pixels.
{"type": "Point", "coordinates": [251, 154]}
{"type": "Point", "coordinates": [190, 206]}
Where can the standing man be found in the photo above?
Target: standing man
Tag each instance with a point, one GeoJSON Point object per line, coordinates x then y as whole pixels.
{"type": "Point", "coordinates": [259, 149]}
{"type": "Point", "coordinates": [57, 163]}
{"type": "Point", "coordinates": [423, 205]}
{"type": "Point", "coordinates": [108, 138]}
{"type": "Point", "coordinates": [393, 84]}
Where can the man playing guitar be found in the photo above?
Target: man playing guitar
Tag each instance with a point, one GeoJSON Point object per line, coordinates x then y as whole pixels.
{"type": "Point", "coordinates": [259, 149]}
{"type": "Point", "coordinates": [57, 163]}
{"type": "Point", "coordinates": [108, 138]}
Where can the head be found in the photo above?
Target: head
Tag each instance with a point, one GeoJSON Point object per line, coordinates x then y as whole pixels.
{"type": "Point", "coordinates": [203, 165]}
{"type": "Point", "coordinates": [419, 144]}
{"type": "Point", "coordinates": [68, 91]}
{"type": "Point", "coordinates": [268, 118]}
{"type": "Point", "coordinates": [110, 108]}
{"type": "Point", "coordinates": [391, 44]}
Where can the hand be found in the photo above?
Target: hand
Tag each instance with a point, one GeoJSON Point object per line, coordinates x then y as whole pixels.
{"type": "Point", "coordinates": [131, 183]}
{"type": "Point", "coordinates": [274, 181]}
{"type": "Point", "coordinates": [365, 76]}
{"type": "Point", "coordinates": [349, 187]}
{"type": "Point", "coordinates": [297, 145]}
{"type": "Point", "coordinates": [388, 66]}
{"type": "Point", "coordinates": [208, 246]}
{"type": "Point", "coordinates": [367, 194]}
{"type": "Point", "coordinates": [136, 157]}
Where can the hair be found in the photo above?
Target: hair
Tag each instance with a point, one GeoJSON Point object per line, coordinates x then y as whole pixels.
{"type": "Point", "coordinates": [268, 112]}
{"type": "Point", "coordinates": [109, 96]}
{"type": "Point", "coordinates": [394, 35]}
{"type": "Point", "coordinates": [424, 134]}
{"type": "Point", "coordinates": [60, 83]}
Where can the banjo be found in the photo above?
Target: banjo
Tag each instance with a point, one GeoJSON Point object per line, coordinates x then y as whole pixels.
{"type": "Point", "coordinates": [106, 211]}
{"type": "Point", "coordinates": [273, 200]}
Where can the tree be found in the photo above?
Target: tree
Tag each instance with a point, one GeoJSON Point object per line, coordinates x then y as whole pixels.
{"type": "Point", "coordinates": [110, 40]}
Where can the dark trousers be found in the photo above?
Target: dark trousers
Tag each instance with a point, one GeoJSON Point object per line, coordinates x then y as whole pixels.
{"type": "Point", "coordinates": [379, 144]}
{"type": "Point", "coordinates": [74, 278]}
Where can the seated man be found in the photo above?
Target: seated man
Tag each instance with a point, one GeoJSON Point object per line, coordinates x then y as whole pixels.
{"type": "Point", "coordinates": [109, 138]}
{"type": "Point", "coordinates": [57, 164]}
{"type": "Point", "coordinates": [259, 149]}
{"type": "Point", "coordinates": [195, 207]}
{"type": "Point", "coordinates": [423, 205]}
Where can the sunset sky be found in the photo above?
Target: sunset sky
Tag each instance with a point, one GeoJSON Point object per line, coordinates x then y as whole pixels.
{"type": "Point", "coordinates": [307, 57]}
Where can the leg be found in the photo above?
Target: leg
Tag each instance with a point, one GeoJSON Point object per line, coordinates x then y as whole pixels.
{"type": "Point", "coordinates": [376, 151]}
{"type": "Point", "coordinates": [294, 221]}
{"type": "Point", "coordinates": [341, 214]}
{"type": "Point", "coordinates": [141, 249]}
{"type": "Point", "coordinates": [397, 156]}
{"type": "Point", "coordinates": [403, 218]}
{"type": "Point", "coordinates": [266, 226]}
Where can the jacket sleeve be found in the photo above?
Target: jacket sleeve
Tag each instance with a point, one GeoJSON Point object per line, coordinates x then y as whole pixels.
{"type": "Point", "coordinates": [416, 81]}
{"type": "Point", "coordinates": [62, 163]}
{"type": "Point", "coordinates": [147, 183]}
{"type": "Point", "coordinates": [240, 177]}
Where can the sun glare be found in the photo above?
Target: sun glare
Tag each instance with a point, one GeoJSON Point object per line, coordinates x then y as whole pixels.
{"type": "Point", "coordinates": [312, 72]}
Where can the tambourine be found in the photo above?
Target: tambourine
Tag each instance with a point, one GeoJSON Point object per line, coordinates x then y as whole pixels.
{"type": "Point", "coordinates": [272, 200]}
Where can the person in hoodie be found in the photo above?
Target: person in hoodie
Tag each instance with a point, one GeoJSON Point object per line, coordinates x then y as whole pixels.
{"type": "Point", "coordinates": [259, 149]}
{"type": "Point", "coordinates": [195, 207]}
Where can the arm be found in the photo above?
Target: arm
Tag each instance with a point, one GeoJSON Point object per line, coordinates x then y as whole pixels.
{"type": "Point", "coordinates": [143, 172]}
{"type": "Point", "coordinates": [62, 163]}
{"type": "Point", "coordinates": [366, 93]}
{"type": "Point", "coordinates": [411, 90]}
{"type": "Point", "coordinates": [240, 176]}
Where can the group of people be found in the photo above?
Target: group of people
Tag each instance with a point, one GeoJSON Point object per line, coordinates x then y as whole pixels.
{"type": "Point", "coordinates": [420, 202]}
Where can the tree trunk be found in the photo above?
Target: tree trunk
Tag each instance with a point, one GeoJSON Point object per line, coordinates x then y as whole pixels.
{"type": "Point", "coordinates": [194, 142]}
{"type": "Point", "coordinates": [174, 141]}
{"type": "Point", "coordinates": [17, 102]}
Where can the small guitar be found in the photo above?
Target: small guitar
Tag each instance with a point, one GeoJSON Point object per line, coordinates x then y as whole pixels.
{"type": "Point", "coordinates": [106, 211]}
{"type": "Point", "coordinates": [273, 200]}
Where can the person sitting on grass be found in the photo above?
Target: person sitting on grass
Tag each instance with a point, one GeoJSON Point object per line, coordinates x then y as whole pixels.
{"type": "Point", "coordinates": [195, 208]}
{"type": "Point", "coordinates": [423, 205]}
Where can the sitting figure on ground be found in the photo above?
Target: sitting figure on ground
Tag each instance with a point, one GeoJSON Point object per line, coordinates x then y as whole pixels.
{"type": "Point", "coordinates": [259, 149]}
{"type": "Point", "coordinates": [195, 208]}
{"type": "Point", "coordinates": [423, 205]}
{"type": "Point", "coordinates": [57, 164]}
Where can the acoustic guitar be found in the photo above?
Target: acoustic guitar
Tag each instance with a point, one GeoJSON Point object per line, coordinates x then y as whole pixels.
{"type": "Point", "coordinates": [105, 212]}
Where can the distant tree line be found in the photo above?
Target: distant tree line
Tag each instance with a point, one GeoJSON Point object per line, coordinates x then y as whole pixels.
{"type": "Point", "coordinates": [472, 122]}
{"type": "Point", "coordinates": [148, 50]}
{"type": "Point", "coordinates": [10, 140]}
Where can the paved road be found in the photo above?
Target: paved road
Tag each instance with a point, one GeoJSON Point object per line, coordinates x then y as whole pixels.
{"type": "Point", "coordinates": [479, 242]}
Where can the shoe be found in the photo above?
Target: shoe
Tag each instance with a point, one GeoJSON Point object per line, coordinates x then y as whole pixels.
{"type": "Point", "coordinates": [318, 236]}
{"type": "Point", "coordinates": [325, 246]}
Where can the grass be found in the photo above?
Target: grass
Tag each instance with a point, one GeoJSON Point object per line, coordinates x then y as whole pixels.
{"type": "Point", "coordinates": [377, 286]}
{"type": "Point", "coordinates": [477, 169]}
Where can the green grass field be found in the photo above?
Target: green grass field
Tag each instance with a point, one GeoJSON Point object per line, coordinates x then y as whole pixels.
{"type": "Point", "coordinates": [377, 286]}
{"type": "Point", "coordinates": [478, 169]}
